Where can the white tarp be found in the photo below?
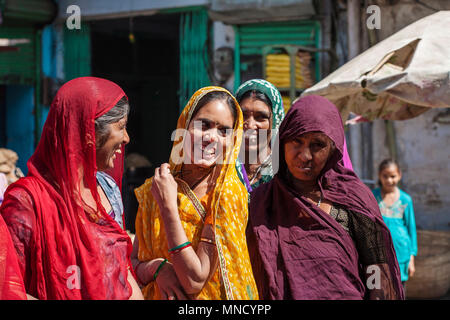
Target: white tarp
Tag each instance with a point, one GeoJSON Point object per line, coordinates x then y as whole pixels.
{"type": "Point", "coordinates": [399, 78]}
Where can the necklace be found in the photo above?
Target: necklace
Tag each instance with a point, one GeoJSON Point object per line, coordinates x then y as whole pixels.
{"type": "Point", "coordinates": [265, 163]}
{"type": "Point", "coordinates": [255, 175]}
{"type": "Point", "coordinates": [320, 199]}
{"type": "Point", "coordinates": [295, 182]}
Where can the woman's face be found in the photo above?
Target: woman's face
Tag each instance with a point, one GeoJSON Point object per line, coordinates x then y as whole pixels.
{"type": "Point", "coordinates": [257, 124]}
{"type": "Point", "coordinates": [307, 155]}
{"type": "Point", "coordinates": [210, 131]}
{"type": "Point", "coordinates": [118, 137]}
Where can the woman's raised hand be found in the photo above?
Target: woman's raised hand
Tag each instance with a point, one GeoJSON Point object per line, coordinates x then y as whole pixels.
{"type": "Point", "coordinates": [164, 187]}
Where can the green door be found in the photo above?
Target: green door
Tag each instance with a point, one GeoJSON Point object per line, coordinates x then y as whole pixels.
{"type": "Point", "coordinates": [18, 55]}
{"type": "Point", "coordinates": [194, 62]}
{"type": "Point", "coordinates": [77, 52]}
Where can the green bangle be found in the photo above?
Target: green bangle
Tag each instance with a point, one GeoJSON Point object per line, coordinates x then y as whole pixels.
{"type": "Point", "coordinates": [159, 268]}
{"type": "Point", "coordinates": [180, 246]}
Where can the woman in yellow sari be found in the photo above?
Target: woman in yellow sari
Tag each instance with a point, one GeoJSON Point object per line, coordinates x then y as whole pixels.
{"type": "Point", "coordinates": [190, 227]}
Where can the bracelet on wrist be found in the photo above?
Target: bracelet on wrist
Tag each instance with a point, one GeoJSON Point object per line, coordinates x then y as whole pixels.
{"type": "Point", "coordinates": [159, 268]}
{"type": "Point", "coordinates": [180, 247]}
{"type": "Point", "coordinates": [207, 240]}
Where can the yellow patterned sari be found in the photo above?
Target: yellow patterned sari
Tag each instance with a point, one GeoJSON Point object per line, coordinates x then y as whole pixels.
{"type": "Point", "coordinates": [228, 206]}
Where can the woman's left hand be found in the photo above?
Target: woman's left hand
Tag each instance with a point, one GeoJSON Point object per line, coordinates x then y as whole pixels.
{"type": "Point", "coordinates": [169, 285]}
{"type": "Point", "coordinates": [164, 187]}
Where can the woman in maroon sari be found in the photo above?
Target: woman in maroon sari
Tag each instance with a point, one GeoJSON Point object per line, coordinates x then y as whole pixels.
{"type": "Point", "coordinates": [69, 244]}
{"type": "Point", "coordinates": [315, 231]}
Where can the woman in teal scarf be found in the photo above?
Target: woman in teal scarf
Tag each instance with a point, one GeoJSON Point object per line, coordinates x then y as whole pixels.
{"type": "Point", "coordinates": [263, 112]}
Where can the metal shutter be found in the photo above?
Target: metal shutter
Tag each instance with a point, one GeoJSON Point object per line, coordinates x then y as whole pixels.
{"type": "Point", "coordinates": [251, 38]}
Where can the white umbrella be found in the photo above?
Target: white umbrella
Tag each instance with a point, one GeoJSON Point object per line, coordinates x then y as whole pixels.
{"type": "Point", "coordinates": [399, 78]}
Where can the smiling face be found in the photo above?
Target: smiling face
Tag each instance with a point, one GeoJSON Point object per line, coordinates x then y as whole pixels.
{"type": "Point", "coordinates": [118, 137]}
{"type": "Point", "coordinates": [307, 155]}
{"type": "Point", "coordinates": [210, 132]}
{"type": "Point", "coordinates": [257, 124]}
{"type": "Point", "coordinates": [389, 178]}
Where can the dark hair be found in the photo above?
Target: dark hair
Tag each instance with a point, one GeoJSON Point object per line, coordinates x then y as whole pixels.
{"type": "Point", "coordinates": [102, 130]}
{"type": "Point", "coordinates": [217, 95]}
{"type": "Point", "coordinates": [387, 163]}
{"type": "Point", "coordinates": [258, 95]}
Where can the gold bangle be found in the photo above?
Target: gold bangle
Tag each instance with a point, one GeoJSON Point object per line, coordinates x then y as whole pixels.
{"type": "Point", "coordinates": [207, 241]}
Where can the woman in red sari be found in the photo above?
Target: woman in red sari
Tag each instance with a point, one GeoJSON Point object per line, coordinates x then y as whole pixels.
{"type": "Point", "coordinates": [62, 223]}
{"type": "Point", "coordinates": [11, 282]}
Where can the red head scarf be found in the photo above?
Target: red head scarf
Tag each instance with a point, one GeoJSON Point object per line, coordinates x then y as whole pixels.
{"type": "Point", "coordinates": [79, 251]}
{"type": "Point", "coordinates": [303, 252]}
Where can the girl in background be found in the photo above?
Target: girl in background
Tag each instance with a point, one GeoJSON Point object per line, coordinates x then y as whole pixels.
{"type": "Point", "coordinates": [396, 207]}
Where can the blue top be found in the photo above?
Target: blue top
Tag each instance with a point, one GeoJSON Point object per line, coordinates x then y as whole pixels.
{"type": "Point", "coordinates": [400, 220]}
{"type": "Point", "coordinates": [114, 196]}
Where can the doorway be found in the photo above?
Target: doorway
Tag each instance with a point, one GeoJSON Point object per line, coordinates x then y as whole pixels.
{"type": "Point", "coordinates": [146, 67]}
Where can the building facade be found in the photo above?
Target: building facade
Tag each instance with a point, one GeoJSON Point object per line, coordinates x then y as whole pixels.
{"type": "Point", "coordinates": [160, 52]}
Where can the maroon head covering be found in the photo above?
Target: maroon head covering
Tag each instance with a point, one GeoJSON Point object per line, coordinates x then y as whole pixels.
{"type": "Point", "coordinates": [298, 251]}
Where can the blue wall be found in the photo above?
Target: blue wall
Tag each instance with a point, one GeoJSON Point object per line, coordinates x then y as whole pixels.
{"type": "Point", "coordinates": [20, 122]}
{"type": "Point", "coordinates": [18, 112]}
{"type": "Point", "coordinates": [48, 54]}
